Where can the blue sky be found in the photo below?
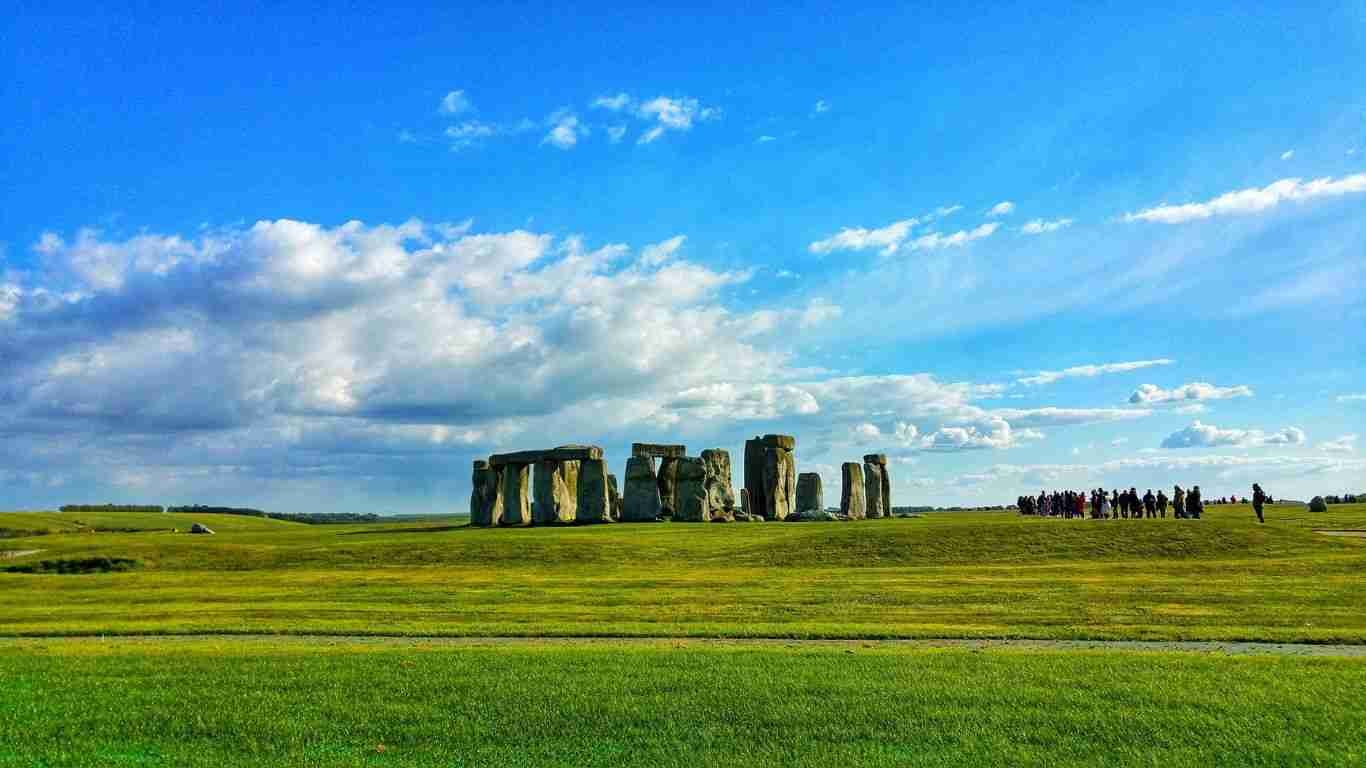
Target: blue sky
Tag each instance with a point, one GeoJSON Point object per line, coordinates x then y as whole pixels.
{"type": "Point", "coordinates": [313, 260]}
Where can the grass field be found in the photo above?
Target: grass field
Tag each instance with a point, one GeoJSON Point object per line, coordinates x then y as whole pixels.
{"type": "Point", "coordinates": [943, 575]}
{"type": "Point", "coordinates": [702, 703]}
{"type": "Point", "coordinates": [368, 696]}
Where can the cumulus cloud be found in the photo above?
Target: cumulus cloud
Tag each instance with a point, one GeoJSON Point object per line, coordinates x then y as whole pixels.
{"type": "Point", "coordinates": [1199, 435]}
{"type": "Point", "coordinates": [1286, 155]}
{"type": "Point", "coordinates": [1003, 208]}
{"type": "Point", "coordinates": [936, 240]}
{"type": "Point", "coordinates": [1151, 394]}
{"type": "Point", "coordinates": [455, 102]}
{"type": "Point", "coordinates": [1042, 226]}
{"type": "Point", "coordinates": [1343, 444]}
{"type": "Point", "coordinates": [654, 255]}
{"type": "Point", "coordinates": [1253, 200]}
{"type": "Point", "coordinates": [565, 130]}
{"type": "Point", "coordinates": [1091, 371]}
{"type": "Point", "coordinates": [1052, 416]}
{"type": "Point", "coordinates": [469, 133]}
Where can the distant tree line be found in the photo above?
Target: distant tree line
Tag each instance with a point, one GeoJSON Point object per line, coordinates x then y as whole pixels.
{"type": "Point", "coordinates": [155, 508]}
{"type": "Point", "coordinates": [1346, 498]}
{"type": "Point", "coordinates": [203, 510]}
{"type": "Point", "coordinates": [312, 518]}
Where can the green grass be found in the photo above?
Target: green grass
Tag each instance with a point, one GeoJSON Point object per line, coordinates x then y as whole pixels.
{"type": "Point", "coordinates": [702, 703]}
{"type": "Point", "coordinates": [944, 575]}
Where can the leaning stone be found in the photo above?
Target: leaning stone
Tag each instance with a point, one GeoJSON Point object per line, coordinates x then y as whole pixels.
{"type": "Point", "coordinates": [690, 495]}
{"type": "Point", "coordinates": [872, 490]}
{"type": "Point", "coordinates": [851, 492]}
{"type": "Point", "coordinates": [668, 481]}
{"type": "Point", "coordinates": [809, 495]}
{"type": "Point", "coordinates": [720, 494]}
{"type": "Point", "coordinates": [516, 500]}
{"type": "Point", "coordinates": [641, 502]}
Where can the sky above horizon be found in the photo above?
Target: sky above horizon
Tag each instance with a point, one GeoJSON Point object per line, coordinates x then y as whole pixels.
{"type": "Point", "coordinates": [316, 261]}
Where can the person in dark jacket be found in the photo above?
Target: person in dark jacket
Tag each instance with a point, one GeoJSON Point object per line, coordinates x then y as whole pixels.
{"type": "Point", "coordinates": [1178, 503]}
{"type": "Point", "coordinates": [1194, 506]}
{"type": "Point", "coordinates": [1135, 504]}
{"type": "Point", "coordinates": [1258, 499]}
{"type": "Point", "coordinates": [1161, 503]}
{"type": "Point", "coordinates": [1150, 503]}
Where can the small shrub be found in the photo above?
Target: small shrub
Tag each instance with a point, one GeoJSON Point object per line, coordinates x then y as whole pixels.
{"type": "Point", "coordinates": [1317, 504]}
{"type": "Point", "coordinates": [83, 565]}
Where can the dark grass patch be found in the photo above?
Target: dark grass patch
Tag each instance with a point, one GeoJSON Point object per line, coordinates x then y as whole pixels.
{"type": "Point", "coordinates": [77, 565]}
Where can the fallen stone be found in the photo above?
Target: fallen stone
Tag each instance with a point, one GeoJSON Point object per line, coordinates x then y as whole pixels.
{"type": "Point", "coordinates": [201, 528]}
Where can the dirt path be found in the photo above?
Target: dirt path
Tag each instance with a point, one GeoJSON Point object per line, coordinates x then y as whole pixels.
{"type": "Point", "coordinates": [10, 554]}
{"type": "Point", "coordinates": [1145, 646]}
{"type": "Point", "coordinates": [1352, 534]}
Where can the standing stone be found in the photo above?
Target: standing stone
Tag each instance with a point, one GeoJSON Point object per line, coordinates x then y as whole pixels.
{"type": "Point", "coordinates": [809, 496]}
{"type": "Point", "coordinates": [613, 490]}
{"type": "Point", "coordinates": [516, 500]}
{"type": "Point", "coordinates": [851, 492]}
{"type": "Point", "coordinates": [872, 490]}
{"type": "Point", "coordinates": [880, 459]}
{"type": "Point", "coordinates": [744, 502]}
{"type": "Point", "coordinates": [594, 504]}
{"type": "Point", "coordinates": [555, 492]}
{"type": "Point", "coordinates": [690, 493]}
{"type": "Point", "coordinates": [720, 492]}
{"type": "Point", "coordinates": [771, 475]}
{"type": "Point", "coordinates": [641, 503]}
{"type": "Point", "coordinates": [480, 504]}
{"type": "Point", "coordinates": [668, 479]}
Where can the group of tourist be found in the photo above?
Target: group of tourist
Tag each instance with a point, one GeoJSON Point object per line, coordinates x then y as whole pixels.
{"type": "Point", "coordinates": [1128, 504]}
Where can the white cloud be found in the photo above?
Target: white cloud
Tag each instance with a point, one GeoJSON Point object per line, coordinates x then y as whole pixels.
{"type": "Point", "coordinates": [1091, 371]}
{"type": "Point", "coordinates": [886, 238]}
{"type": "Point", "coordinates": [1003, 208]}
{"type": "Point", "coordinates": [935, 240]}
{"type": "Point", "coordinates": [614, 103]}
{"type": "Point", "coordinates": [1191, 410]}
{"type": "Point", "coordinates": [764, 139]}
{"type": "Point", "coordinates": [1053, 416]}
{"type": "Point", "coordinates": [1118, 441]}
{"type": "Point", "coordinates": [565, 130]}
{"type": "Point", "coordinates": [821, 106]}
{"type": "Point", "coordinates": [1040, 226]}
{"type": "Point", "coordinates": [1286, 155]}
{"type": "Point", "coordinates": [1199, 435]}
{"type": "Point", "coordinates": [1151, 394]}
{"type": "Point", "coordinates": [1357, 398]}
{"type": "Point", "coordinates": [1253, 199]}
{"type": "Point", "coordinates": [654, 255]}
{"type": "Point", "coordinates": [615, 133]}
{"type": "Point", "coordinates": [670, 114]}
{"type": "Point", "coordinates": [455, 102]}
{"type": "Point", "coordinates": [1343, 444]}
{"type": "Point", "coordinates": [469, 133]}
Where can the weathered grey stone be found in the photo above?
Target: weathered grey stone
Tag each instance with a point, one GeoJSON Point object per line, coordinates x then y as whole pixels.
{"type": "Point", "coordinates": [516, 500]}
{"type": "Point", "coordinates": [872, 490]}
{"type": "Point", "coordinates": [780, 483]}
{"type": "Point", "coordinates": [754, 475]}
{"type": "Point", "coordinates": [886, 491]}
{"type": "Point", "coordinates": [851, 491]}
{"type": "Point", "coordinates": [875, 458]}
{"type": "Point", "coordinates": [562, 453]}
{"type": "Point", "coordinates": [594, 504]}
{"type": "Point", "coordinates": [720, 493]}
{"type": "Point", "coordinates": [786, 442]}
{"type": "Point", "coordinates": [810, 498]}
{"type": "Point", "coordinates": [555, 492]}
{"type": "Point", "coordinates": [482, 494]}
{"type": "Point", "coordinates": [668, 480]}
{"type": "Point", "coordinates": [614, 490]}
{"type": "Point", "coordinates": [658, 450]}
{"type": "Point", "coordinates": [201, 528]}
{"type": "Point", "coordinates": [641, 503]}
{"type": "Point", "coordinates": [690, 493]}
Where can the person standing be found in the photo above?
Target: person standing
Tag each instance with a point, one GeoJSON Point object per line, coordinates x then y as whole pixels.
{"type": "Point", "coordinates": [1104, 504]}
{"type": "Point", "coordinates": [1178, 502]}
{"type": "Point", "coordinates": [1258, 499]}
{"type": "Point", "coordinates": [1150, 503]}
{"type": "Point", "coordinates": [1194, 506]}
{"type": "Point", "coordinates": [1161, 503]}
